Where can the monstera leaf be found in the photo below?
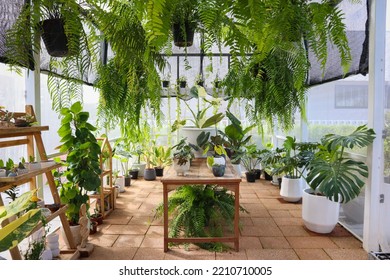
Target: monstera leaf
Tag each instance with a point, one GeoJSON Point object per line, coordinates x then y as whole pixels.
{"type": "Point", "coordinates": [334, 174]}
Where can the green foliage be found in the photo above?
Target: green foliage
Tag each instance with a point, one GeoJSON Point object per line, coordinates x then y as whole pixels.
{"type": "Point", "coordinates": [200, 211]}
{"type": "Point", "coordinates": [22, 41]}
{"type": "Point", "coordinates": [82, 162]}
{"type": "Point", "coordinates": [22, 226]}
{"type": "Point", "coordinates": [293, 159]}
{"type": "Point", "coordinates": [334, 174]}
{"type": "Point", "coordinates": [250, 157]}
{"type": "Point", "coordinates": [182, 151]}
{"type": "Point", "coordinates": [236, 137]}
{"type": "Point", "coordinates": [162, 156]}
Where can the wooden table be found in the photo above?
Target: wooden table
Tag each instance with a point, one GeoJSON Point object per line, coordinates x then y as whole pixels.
{"type": "Point", "coordinates": [200, 174]}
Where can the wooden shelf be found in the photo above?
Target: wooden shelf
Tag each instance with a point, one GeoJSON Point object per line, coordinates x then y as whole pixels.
{"type": "Point", "coordinates": [32, 138]}
{"type": "Point", "coordinates": [6, 182]}
{"type": "Point", "coordinates": [107, 193]}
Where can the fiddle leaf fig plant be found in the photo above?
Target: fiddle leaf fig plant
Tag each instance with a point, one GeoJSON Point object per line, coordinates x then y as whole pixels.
{"type": "Point", "coordinates": [82, 161]}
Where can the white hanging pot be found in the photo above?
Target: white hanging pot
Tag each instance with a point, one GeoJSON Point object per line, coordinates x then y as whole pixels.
{"type": "Point", "coordinates": [319, 214]}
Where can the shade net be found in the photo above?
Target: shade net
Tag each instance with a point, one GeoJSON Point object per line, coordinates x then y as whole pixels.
{"type": "Point", "coordinates": [355, 20]}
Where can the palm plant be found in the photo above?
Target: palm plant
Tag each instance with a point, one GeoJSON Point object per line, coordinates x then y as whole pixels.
{"type": "Point", "coordinates": [335, 175]}
{"type": "Point", "coordinates": [200, 211]}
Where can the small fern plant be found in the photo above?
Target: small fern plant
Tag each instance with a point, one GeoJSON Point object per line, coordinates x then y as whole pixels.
{"type": "Point", "coordinates": [200, 211]}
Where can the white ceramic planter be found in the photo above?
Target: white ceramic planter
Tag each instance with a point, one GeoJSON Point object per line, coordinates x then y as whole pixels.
{"type": "Point", "coordinates": [291, 189]}
{"type": "Point", "coordinates": [75, 230]}
{"type": "Point", "coordinates": [3, 172]}
{"type": "Point", "coordinates": [319, 214]}
{"type": "Point", "coordinates": [120, 182]}
{"type": "Point", "coordinates": [237, 168]}
{"type": "Point", "coordinates": [47, 255]}
{"type": "Point", "coordinates": [141, 168]}
{"type": "Point", "coordinates": [217, 160]}
{"type": "Point", "coordinates": [191, 133]}
{"type": "Point", "coordinates": [181, 169]}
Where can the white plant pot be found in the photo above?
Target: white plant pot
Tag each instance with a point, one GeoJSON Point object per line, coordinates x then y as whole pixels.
{"type": "Point", "coordinates": [120, 182]}
{"type": "Point", "coordinates": [3, 173]}
{"type": "Point", "coordinates": [217, 160]}
{"type": "Point", "coordinates": [75, 230]}
{"type": "Point", "coordinates": [191, 133]}
{"type": "Point", "coordinates": [237, 168]}
{"type": "Point", "coordinates": [141, 168]}
{"type": "Point", "coordinates": [55, 252]}
{"type": "Point", "coordinates": [47, 255]}
{"type": "Point", "coordinates": [38, 235]}
{"type": "Point", "coordinates": [291, 189]}
{"type": "Point", "coordinates": [33, 165]}
{"type": "Point", "coordinates": [319, 214]}
{"type": "Point", "coordinates": [181, 169]}
{"type": "Point", "coordinates": [52, 238]}
{"type": "Point", "coordinates": [53, 245]}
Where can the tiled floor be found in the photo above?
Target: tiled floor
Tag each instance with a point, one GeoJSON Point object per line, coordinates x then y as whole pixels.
{"type": "Point", "coordinates": [272, 230]}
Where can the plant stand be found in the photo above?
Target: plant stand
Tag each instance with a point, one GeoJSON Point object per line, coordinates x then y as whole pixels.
{"type": "Point", "coordinates": [106, 195]}
{"type": "Point", "coordinates": [200, 174]}
{"type": "Point", "coordinates": [31, 137]}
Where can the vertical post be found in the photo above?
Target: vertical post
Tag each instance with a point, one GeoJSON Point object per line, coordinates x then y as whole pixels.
{"type": "Point", "coordinates": [376, 90]}
{"type": "Point", "coordinates": [33, 97]}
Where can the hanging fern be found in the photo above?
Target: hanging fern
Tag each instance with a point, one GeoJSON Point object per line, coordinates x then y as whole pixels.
{"type": "Point", "coordinates": [200, 211]}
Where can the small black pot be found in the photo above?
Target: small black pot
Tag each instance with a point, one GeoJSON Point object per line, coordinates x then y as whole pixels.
{"type": "Point", "coordinates": [200, 83]}
{"type": "Point", "coordinates": [165, 84]}
{"type": "Point", "coordinates": [159, 171]}
{"type": "Point", "coordinates": [280, 182]}
{"type": "Point", "coordinates": [134, 174]}
{"type": "Point", "coordinates": [250, 177]}
{"type": "Point", "coordinates": [218, 170]}
{"type": "Point", "coordinates": [127, 181]}
{"type": "Point", "coordinates": [267, 176]}
{"type": "Point", "coordinates": [182, 84]}
{"type": "Point", "coordinates": [258, 173]}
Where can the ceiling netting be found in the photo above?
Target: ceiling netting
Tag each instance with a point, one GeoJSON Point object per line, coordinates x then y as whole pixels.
{"type": "Point", "coordinates": [357, 30]}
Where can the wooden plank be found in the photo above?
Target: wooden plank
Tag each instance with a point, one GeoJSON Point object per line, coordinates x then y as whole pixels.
{"type": "Point", "coordinates": [11, 143]}
{"type": "Point", "coordinates": [21, 131]}
{"type": "Point", "coordinates": [46, 167]}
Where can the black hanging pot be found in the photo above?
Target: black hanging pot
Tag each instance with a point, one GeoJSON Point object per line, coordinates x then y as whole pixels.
{"type": "Point", "coordinates": [183, 37]}
{"type": "Point", "coordinates": [54, 37]}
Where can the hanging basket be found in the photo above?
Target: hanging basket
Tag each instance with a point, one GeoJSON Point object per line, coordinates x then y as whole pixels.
{"type": "Point", "coordinates": [54, 37]}
{"type": "Point", "coordinates": [180, 38]}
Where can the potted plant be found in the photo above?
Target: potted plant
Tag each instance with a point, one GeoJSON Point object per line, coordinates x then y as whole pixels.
{"type": "Point", "coordinates": [184, 22]}
{"type": "Point", "coordinates": [236, 138]}
{"type": "Point", "coordinates": [250, 159]}
{"type": "Point", "coordinates": [166, 80]}
{"type": "Point", "coordinates": [199, 118]}
{"type": "Point", "coordinates": [82, 162]}
{"type": "Point", "coordinates": [140, 166]}
{"type": "Point", "coordinates": [182, 81]}
{"type": "Point", "coordinates": [162, 157]}
{"type": "Point", "coordinates": [181, 157]}
{"type": "Point", "coordinates": [199, 80]}
{"type": "Point", "coordinates": [292, 161]}
{"type": "Point", "coordinates": [190, 217]}
{"type": "Point", "coordinates": [218, 169]}
{"type": "Point", "coordinates": [6, 118]}
{"type": "Point", "coordinates": [150, 172]}
{"type": "Point", "coordinates": [333, 178]}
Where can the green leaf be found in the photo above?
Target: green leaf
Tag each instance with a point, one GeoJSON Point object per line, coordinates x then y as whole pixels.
{"type": "Point", "coordinates": [76, 107]}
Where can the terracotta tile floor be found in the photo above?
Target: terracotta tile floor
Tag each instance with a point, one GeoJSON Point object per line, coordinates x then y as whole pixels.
{"type": "Point", "coordinates": [272, 230]}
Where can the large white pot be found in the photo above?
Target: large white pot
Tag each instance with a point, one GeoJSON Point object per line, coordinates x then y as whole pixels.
{"type": "Point", "coordinates": [181, 169]}
{"type": "Point", "coordinates": [191, 133]}
{"type": "Point", "coordinates": [237, 168]}
{"type": "Point", "coordinates": [319, 214]}
{"type": "Point", "coordinates": [291, 189]}
{"type": "Point", "coordinates": [75, 230]}
{"type": "Point", "coordinates": [141, 168]}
